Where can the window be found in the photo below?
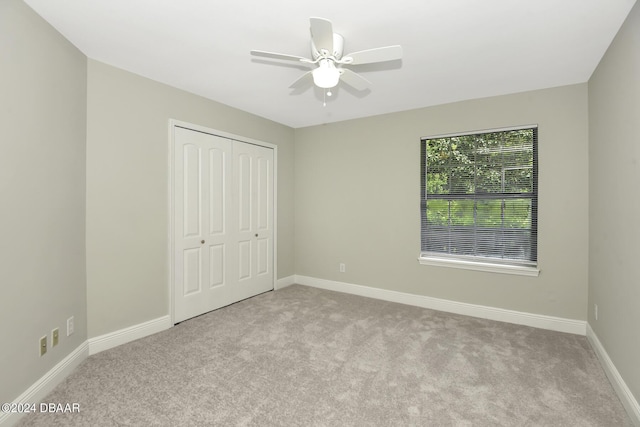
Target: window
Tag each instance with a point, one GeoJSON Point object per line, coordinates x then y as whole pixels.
{"type": "Point", "coordinates": [479, 198]}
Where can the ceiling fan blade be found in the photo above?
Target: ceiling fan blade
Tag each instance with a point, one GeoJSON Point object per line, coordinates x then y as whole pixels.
{"type": "Point", "coordinates": [354, 80]}
{"type": "Point", "coordinates": [380, 54]}
{"type": "Point", "coordinates": [303, 80]}
{"type": "Point", "coordinates": [274, 55]}
{"type": "Point", "coordinates": [322, 34]}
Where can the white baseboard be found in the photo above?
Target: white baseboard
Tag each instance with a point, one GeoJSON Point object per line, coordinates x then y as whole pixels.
{"type": "Point", "coordinates": [284, 282]}
{"type": "Point", "coordinates": [132, 333]}
{"type": "Point", "coordinates": [510, 316]}
{"type": "Point", "coordinates": [623, 392]}
{"type": "Point", "coordinates": [41, 388]}
{"type": "Point", "coordinates": [51, 379]}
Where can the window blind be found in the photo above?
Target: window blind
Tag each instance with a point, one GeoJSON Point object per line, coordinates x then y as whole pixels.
{"type": "Point", "coordinates": [479, 196]}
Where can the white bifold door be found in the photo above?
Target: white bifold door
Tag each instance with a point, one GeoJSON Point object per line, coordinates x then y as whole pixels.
{"type": "Point", "coordinates": [223, 221]}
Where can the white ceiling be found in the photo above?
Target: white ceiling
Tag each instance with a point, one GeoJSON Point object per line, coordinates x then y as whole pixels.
{"type": "Point", "coordinates": [453, 49]}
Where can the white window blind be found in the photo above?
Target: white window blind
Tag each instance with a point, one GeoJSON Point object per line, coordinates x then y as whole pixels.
{"type": "Point", "coordinates": [479, 196]}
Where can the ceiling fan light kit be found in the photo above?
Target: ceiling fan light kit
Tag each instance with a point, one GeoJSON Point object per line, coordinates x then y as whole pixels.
{"type": "Point", "coordinates": [326, 75]}
{"type": "Point", "coordinates": [328, 60]}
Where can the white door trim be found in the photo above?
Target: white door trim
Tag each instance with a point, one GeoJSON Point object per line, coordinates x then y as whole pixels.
{"type": "Point", "coordinates": [171, 157]}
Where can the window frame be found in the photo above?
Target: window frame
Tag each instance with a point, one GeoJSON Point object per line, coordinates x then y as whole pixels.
{"type": "Point", "coordinates": [479, 263]}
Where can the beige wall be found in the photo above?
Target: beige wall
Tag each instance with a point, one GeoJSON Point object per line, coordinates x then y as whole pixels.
{"type": "Point", "coordinates": [614, 196]}
{"type": "Point", "coordinates": [42, 192]}
{"type": "Point", "coordinates": [357, 189]}
{"type": "Point", "coordinates": [127, 190]}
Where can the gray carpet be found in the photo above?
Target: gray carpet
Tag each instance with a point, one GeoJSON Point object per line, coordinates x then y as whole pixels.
{"type": "Point", "coordinates": [307, 357]}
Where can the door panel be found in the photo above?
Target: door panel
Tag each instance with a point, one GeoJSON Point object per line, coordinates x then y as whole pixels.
{"type": "Point", "coordinates": [217, 186]}
{"type": "Point", "coordinates": [244, 260]}
{"type": "Point", "coordinates": [263, 256]}
{"type": "Point", "coordinates": [216, 265]}
{"type": "Point", "coordinates": [264, 195]}
{"type": "Point", "coordinates": [192, 271]}
{"type": "Point", "coordinates": [191, 200]}
{"type": "Point", "coordinates": [243, 188]}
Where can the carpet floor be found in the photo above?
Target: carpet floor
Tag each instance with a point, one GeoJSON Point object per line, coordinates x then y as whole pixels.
{"type": "Point", "coordinates": [302, 356]}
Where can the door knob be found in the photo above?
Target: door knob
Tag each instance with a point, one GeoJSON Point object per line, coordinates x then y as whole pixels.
{"type": "Point", "coordinates": [256, 234]}
{"type": "Point", "coordinates": [201, 241]}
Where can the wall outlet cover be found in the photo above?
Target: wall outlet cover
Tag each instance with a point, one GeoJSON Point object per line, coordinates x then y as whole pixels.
{"type": "Point", "coordinates": [43, 345]}
{"type": "Point", "coordinates": [55, 337]}
{"type": "Point", "coordinates": [70, 326]}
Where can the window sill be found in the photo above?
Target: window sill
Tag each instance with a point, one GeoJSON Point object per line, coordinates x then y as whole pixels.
{"type": "Point", "coordinates": [480, 266]}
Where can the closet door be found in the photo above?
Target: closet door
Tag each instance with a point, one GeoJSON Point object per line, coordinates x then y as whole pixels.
{"type": "Point", "coordinates": [253, 188]}
{"type": "Point", "coordinates": [223, 222]}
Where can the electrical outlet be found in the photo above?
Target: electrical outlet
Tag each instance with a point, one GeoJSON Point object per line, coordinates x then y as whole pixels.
{"type": "Point", "coordinates": [55, 337]}
{"type": "Point", "coordinates": [43, 345]}
{"type": "Point", "coordinates": [343, 267]}
{"type": "Point", "coordinates": [70, 326]}
{"type": "Point", "coordinates": [595, 311]}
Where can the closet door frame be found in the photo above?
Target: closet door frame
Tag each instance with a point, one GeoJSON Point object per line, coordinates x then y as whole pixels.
{"type": "Point", "coordinates": [171, 217]}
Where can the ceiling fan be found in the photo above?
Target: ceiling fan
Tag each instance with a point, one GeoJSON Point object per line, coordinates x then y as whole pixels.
{"type": "Point", "coordinates": [329, 61]}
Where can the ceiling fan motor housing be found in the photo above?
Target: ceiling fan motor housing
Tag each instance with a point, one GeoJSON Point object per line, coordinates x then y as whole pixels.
{"type": "Point", "coordinates": [338, 47]}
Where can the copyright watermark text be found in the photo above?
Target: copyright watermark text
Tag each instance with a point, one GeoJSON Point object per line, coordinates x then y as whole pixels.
{"type": "Point", "coordinates": [23, 408]}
